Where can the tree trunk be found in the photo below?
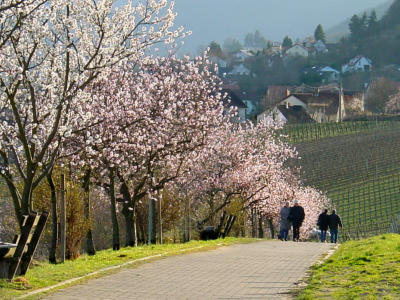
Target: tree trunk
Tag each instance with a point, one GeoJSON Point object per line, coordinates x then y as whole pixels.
{"type": "Point", "coordinates": [16, 197]}
{"type": "Point", "coordinates": [260, 227]}
{"type": "Point", "coordinates": [129, 224]}
{"type": "Point", "coordinates": [114, 219]}
{"type": "Point", "coordinates": [253, 222]}
{"type": "Point", "coordinates": [128, 211]}
{"type": "Point", "coordinates": [54, 225]}
{"type": "Point", "coordinates": [271, 228]}
{"type": "Point", "coordinates": [90, 248]}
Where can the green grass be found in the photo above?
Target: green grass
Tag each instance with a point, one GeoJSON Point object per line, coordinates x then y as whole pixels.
{"type": "Point", "coordinates": [364, 269]}
{"type": "Point", "coordinates": [43, 274]}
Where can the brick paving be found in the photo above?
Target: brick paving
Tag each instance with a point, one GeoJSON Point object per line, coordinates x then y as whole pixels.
{"type": "Point", "coordinates": [264, 270]}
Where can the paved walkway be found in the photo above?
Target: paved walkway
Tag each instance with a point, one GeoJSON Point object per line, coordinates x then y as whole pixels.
{"type": "Point", "coordinates": [265, 270]}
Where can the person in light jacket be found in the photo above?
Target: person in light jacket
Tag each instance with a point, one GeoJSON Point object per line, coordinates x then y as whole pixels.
{"type": "Point", "coordinates": [285, 223]}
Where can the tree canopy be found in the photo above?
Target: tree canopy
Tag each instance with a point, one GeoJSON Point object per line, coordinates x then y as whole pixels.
{"type": "Point", "coordinates": [319, 34]}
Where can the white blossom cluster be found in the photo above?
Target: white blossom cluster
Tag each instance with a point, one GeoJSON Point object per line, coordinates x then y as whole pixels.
{"type": "Point", "coordinates": [50, 52]}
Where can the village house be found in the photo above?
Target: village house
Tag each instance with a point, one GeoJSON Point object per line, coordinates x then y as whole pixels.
{"type": "Point", "coordinates": [320, 47]}
{"type": "Point", "coordinates": [273, 95]}
{"type": "Point", "coordinates": [218, 61]}
{"type": "Point", "coordinates": [239, 70]}
{"type": "Point", "coordinates": [358, 64]}
{"type": "Point", "coordinates": [325, 74]}
{"type": "Point", "coordinates": [307, 104]}
{"type": "Point", "coordinates": [252, 101]}
{"type": "Point", "coordinates": [276, 47]}
{"type": "Point", "coordinates": [242, 55]}
{"type": "Point", "coordinates": [297, 50]}
{"type": "Point", "coordinates": [231, 99]}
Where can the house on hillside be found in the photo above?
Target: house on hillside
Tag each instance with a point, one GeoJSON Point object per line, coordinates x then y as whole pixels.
{"type": "Point", "coordinates": [286, 114]}
{"type": "Point", "coordinates": [358, 64]}
{"type": "Point", "coordinates": [308, 42]}
{"type": "Point", "coordinates": [324, 74]}
{"type": "Point", "coordinates": [239, 70]}
{"type": "Point", "coordinates": [252, 101]}
{"type": "Point", "coordinates": [297, 50]}
{"type": "Point", "coordinates": [242, 55]}
{"type": "Point", "coordinates": [276, 47]}
{"type": "Point", "coordinates": [231, 85]}
{"type": "Point", "coordinates": [231, 99]}
{"type": "Point", "coordinates": [320, 47]}
{"type": "Point", "coordinates": [325, 106]}
{"type": "Point", "coordinates": [218, 61]}
{"type": "Point", "coordinates": [329, 103]}
{"type": "Point", "coordinates": [273, 95]}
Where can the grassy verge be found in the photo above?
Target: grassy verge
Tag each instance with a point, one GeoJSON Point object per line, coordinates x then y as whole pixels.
{"type": "Point", "coordinates": [365, 269]}
{"type": "Point", "coordinates": [43, 274]}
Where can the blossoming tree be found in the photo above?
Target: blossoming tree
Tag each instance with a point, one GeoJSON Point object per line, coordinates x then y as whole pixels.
{"type": "Point", "coordinates": [150, 122]}
{"type": "Point", "coordinates": [51, 52]}
{"type": "Point", "coordinates": [249, 163]}
{"type": "Point", "coordinates": [393, 105]}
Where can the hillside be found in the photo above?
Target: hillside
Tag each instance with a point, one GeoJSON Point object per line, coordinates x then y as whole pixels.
{"type": "Point", "coordinates": [335, 33]}
{"type": "Point", "coordinates": [218, 20]}
{"type": "Point", "coordinates": [360, 174]}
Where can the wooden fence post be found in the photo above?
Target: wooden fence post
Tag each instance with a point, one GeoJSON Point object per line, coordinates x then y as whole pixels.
{"type": "Point", "coordinates": [63, 219]}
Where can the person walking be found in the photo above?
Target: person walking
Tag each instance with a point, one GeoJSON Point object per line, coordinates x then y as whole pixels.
{"type": "Point", "coordinates": [296, 216]}
{"type": "Point", "coordinates": [323, 223]}
{"type": "Point", "coordinates": [334, 223]}
{"type": "Point", "coordinates": [285, 223]}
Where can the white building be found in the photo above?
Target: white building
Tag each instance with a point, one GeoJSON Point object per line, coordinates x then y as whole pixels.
{"type": "Point", "coordinates": [358, 64]}
{"type": "Point", "coordinates": [329, 74]}
{"type": "Point", "coordinates": [239, 70]}
{"type": "Point", "coordinates": [243, 54]}
{"type": "Point", "coordinates": [320, 47]}
{"type": "Point", "coordinates": [297, 50]}
{"type": "Point", "coordinates": [218, 61]}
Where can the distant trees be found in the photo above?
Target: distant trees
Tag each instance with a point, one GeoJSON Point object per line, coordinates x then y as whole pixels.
{"type": "Point", "coordinates": [215, 50]}
{"type": "Point", "coordinates": [363, 26]}
{"type": "Point", "coordinates": [319, 34]}
{"type": "Point", "coordinates": [393, 105]}
{"type": "Point", "coordinates": [255, 40]}
{"type": "Point", "coordinates": [287, 42]}
{"type": "Point", "coordinates": [391, 17]}
{"type": "Point", "coordinates": [232, 45]}
{"type": "Point", "coordinates": [379, 94]}
{"type": "Point", "coordinates": [373, 24]}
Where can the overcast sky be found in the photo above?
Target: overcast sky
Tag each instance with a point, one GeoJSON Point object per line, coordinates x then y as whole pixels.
{"type": "Point", "coordinates": [218, 19]}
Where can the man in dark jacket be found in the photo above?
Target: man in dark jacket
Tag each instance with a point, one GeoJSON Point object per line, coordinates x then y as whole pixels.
{"type": "Point", "coordinates": [296, 216]}
{"type": "Point", "coordinates": [334, 222]}
{"type": "Point", "coordinates": [323, 223]}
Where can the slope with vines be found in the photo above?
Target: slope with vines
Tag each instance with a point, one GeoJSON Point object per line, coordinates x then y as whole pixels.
{"type": "Point", "coordinates": [360, 173]}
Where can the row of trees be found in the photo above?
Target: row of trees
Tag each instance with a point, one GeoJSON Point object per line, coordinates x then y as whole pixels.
{"type": "Point", "coordinates": [79, 93]}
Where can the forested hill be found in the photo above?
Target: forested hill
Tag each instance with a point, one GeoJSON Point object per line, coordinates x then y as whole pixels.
{"type": "Point", "coordinates": [378, 39]}
{"type": "Point", "coordinates": [335, 33]}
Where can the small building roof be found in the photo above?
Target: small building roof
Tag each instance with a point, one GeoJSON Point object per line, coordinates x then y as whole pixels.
{"type": "Point", "coordinates": [232, 98]}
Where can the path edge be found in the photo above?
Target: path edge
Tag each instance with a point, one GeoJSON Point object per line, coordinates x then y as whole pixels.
{"type": "Point", "coordinates": [103, 270]}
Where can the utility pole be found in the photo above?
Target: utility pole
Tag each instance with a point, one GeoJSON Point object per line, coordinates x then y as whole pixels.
{"type": "Point", "coordinates": [160, 219]}
{"type": "Point", "coordinates": [341, 104]}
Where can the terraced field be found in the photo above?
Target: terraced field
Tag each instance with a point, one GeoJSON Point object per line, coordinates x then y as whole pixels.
{"type": "Point", "coordinates": [360, 173]}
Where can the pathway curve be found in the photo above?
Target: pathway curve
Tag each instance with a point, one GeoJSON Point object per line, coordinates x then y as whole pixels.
{"type": "Point", "coordinates": [264, 270]}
